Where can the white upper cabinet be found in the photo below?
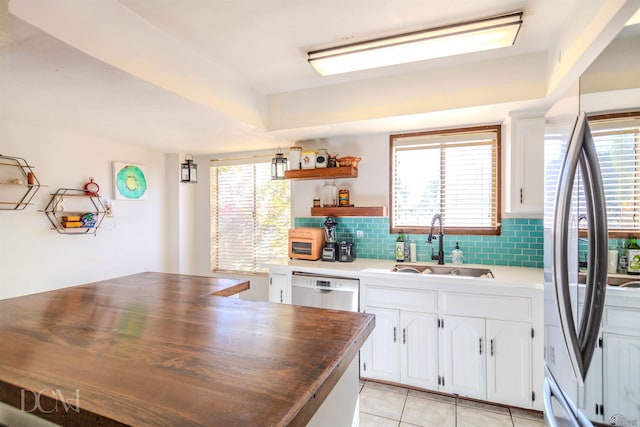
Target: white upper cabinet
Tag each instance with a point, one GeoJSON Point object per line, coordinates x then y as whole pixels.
{"type": "Point", "coordinates": [524, 164]}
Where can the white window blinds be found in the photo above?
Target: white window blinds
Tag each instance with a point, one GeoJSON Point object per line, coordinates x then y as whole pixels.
{"type": "Point", "coordinates": [250, 215]}
{"type": "Point", "coordinates": [453, 173]}
{"type": "Point", "coordinates": [617, 140]}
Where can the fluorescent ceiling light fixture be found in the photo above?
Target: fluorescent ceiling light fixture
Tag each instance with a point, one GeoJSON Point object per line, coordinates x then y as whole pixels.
{"type": "Point", "coordinates": [634, 20]}
{"type": "Point", "coordinates": [483, 34]}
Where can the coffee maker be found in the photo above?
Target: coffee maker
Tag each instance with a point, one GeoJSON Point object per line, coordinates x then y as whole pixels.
{"type": "Point", "coordinates": [346, 252]}
{"type": "Point", "coordinates": [330, 250]}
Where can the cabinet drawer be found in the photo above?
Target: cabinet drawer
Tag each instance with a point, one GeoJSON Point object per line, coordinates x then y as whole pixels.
{"type": "Point", "coordinates": [404, 299]}
{"type": "Point", "coordinates": [621, 318]}
{"type": "Point", "coordinates": [489, 306]}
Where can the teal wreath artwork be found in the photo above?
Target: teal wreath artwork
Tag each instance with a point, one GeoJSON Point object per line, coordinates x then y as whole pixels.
{"type": "Point", "coordinates": [131, 182]}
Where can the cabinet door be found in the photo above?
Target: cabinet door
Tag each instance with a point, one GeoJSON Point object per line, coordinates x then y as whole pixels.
{"type": "Point", "coordinates": [621, 377]}
{"type": "Point", "coordinates": [381, 352]}
{"type": "Point", "coordinates": [590, 396]}
{"type": "Point", "coordinates": [509, 362]}
{"type": "Point", "coordinates": [462, 356]}
{"type": "Point", "coordinates": [278, 288]}
{"type": "Point", "coordinates": [526, 165]}
{"type": "Point", "coordinates": [419, 349]}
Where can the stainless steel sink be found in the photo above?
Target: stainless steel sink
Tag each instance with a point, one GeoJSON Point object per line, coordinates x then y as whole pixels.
{"type": "Point", "coordinates": [620, 282]}
{"type": "Point", "coordinates": [633, 284]}
{"type": "Point", "coordinates": [442, 270]}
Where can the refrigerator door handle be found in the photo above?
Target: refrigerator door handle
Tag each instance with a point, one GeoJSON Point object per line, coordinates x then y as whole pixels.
{"type": "Point", "coordinates": [596, 283]}
{"type": "Point", "coordinates": [580, 345]}
{"type": "Point", "coordinates": [551, 391]}
{"type": "Point", "coordinates": [560, 248]}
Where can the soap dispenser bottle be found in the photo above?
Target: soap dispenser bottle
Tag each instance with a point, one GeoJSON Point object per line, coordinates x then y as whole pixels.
{"type": "Point", "coordinates": [456, 255]}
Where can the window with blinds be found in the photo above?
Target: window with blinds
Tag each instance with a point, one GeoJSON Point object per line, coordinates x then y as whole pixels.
{"type": "Point", "coordinates": [250, 215]}
{"type": "Point", "coordinates": [454, 173]}
{"type": "Point", "coordinates": [617, 141]}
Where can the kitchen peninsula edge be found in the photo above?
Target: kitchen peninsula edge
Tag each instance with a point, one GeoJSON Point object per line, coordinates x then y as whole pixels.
{"type": "Point", "coordinates": [166, 349]}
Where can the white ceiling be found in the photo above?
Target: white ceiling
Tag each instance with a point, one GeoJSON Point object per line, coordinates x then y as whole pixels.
{"type": "Point", "coordinates": [216, 76]}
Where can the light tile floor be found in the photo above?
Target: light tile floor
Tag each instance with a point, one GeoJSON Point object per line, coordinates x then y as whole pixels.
{"type": "Point", "coordinates": [382, 405]}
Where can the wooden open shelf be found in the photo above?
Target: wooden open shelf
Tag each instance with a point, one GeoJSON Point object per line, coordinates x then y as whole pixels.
{"type": "Point", "coordinates": [322, 173]}
{"type": "Point", "coordinates": [351, 211]}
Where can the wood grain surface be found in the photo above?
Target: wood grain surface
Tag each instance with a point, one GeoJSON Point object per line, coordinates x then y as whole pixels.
{"type": "Point", "coordinates": [166, 350]}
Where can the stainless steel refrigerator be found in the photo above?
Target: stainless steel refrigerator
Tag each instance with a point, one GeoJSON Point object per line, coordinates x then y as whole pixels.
{"type": "Point", "coordinates": [571, 324]}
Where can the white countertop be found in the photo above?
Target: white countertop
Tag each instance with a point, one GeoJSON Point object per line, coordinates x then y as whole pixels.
{"type": "Point", "coordinates": [532, 278]}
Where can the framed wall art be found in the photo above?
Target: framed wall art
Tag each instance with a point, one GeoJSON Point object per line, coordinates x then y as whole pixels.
{"type": "Point", "coordinates": [130, 182]}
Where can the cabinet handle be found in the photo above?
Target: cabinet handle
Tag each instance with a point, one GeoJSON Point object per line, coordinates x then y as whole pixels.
{"type": "Point", "coordinates": [440, 380]}
{"type": "Point", "coordinates": [281, 296]}
{"type": "Point", "coordinates": [404, 335]}
{"type": "Point", "coordinates": [597, 412]}
{"type": "Point", "coordinates": [521, 195]}
{"type": "Point", "coordinates": [480, 346]}
{"type": "Point", "coordinates": [395, 331]}
{"type": "Point", "coordinates": [491, 344]}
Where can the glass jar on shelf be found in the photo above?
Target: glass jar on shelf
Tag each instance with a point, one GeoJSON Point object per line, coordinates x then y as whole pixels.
{"type": "Point", "coordinates": [329, 194]}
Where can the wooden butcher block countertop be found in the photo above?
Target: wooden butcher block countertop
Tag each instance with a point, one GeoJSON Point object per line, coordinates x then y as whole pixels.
{"type": "Point", "coordinates": [165, 350]}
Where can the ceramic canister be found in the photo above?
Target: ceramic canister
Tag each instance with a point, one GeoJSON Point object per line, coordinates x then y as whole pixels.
{"type": "Point", "coordinates": [295, 155]}
{"type": "Point", "coordinates": [322, 158]}
{"type": "Point", "coordinates": [308, 159]}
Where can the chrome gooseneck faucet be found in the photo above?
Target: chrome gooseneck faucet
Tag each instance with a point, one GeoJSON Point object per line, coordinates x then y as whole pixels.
{"type": "Point", "coordinates": [440, 256]}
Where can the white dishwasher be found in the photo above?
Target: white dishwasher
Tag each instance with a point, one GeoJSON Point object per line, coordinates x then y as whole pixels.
{"type": "Point", "coordinates": [313, 290]}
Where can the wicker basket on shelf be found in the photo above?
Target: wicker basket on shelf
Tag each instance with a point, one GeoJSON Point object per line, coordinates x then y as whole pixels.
{"type": "Point", "coordinates": [348, 161]}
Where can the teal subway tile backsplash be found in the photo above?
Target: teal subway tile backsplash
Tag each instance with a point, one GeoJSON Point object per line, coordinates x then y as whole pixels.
{"type": "Point", "coordinates": [520, 245]}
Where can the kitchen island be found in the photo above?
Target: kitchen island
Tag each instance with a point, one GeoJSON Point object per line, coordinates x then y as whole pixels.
{"type": "Point", "coordinates": [168, 350]}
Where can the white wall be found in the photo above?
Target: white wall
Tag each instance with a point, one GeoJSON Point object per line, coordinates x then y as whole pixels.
{"type": "Point", "coordinates": [35, 258]}
{"type": "Point", "coordinates": [369, 189]}
{"type": "Point", "coordinates": [371, 186]}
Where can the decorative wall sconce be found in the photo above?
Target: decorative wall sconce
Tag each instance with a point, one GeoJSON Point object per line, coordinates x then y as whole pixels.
{"type": "Point", "coordinates": [279, 164]}
{"type": "Point", "coordinates": [188, 170]}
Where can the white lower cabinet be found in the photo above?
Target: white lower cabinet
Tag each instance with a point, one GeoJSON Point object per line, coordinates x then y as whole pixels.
{"type": "Point", "coordinates": [419, 349]}
{"type": "Point", "coordinates": [380, 355]}
{"type": "Point", "coordinates": [402, 348]}
{"type": "Point", "coordinates": [509, 365]}
{"type": "Point", "coordinates": [621, 355]}
{"type": "Point", "coordinates": [590, 395]}
{"type": "Point", "coordinates": [486, 359]}
{"type": "Point", "coordinates": [478, 357]}
{"type": "Point", "coordinates": [279, 286]}
{"type": "Point", "coordinates": [462, 356]}
{"type": "Point", "coordinates": [611, 392]}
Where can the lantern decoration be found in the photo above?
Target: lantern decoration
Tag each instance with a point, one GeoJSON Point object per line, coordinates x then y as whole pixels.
{"type": "Point", "coordinates": [279, 164]}
{"type": "Point", "coordinates": [188, 170]}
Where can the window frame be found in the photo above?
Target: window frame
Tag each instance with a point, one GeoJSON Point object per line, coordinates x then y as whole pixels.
{"type": "Point", "coordinates": [488, 231]}
{"type": "Point", "coordinates": [617, 233]}
{"type": "Point", "coordinates": [213, 179]}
